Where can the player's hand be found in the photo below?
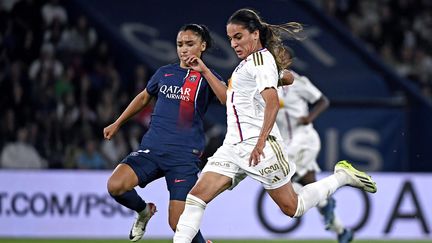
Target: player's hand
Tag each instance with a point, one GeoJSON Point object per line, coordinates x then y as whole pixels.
{"type": "Point", "coordinates": [195, 63]}
{"type": "Point", "coordinates": [110, 130]}
{"type": "Point", "coordinates": [286, 77]}
{"type": "Point", "coordinates": [257, 152]}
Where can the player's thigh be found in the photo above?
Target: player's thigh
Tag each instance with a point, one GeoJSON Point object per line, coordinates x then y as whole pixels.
{"type": "Point", "coordinates": [181, 174]}
{"type": "Point", "coordinates": [210, 185]}
{"type": "Point", "coordinates": [220, 173]}
{"type": "Point", "coordinates": [122, 179]}
{"type": "Point", "coordinates": [145, 167]}
{"type": "Point", "coordinates": [285, 197]}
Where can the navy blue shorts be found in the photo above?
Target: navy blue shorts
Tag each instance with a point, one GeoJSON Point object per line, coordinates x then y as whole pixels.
{"type": "Point", "coordinates": [180, 169]}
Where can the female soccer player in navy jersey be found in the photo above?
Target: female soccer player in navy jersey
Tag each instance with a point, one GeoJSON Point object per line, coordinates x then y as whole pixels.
{"type": "Point", "coordinates": [175, 139]}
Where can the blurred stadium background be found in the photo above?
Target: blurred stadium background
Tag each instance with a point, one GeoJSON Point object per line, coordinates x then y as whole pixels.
{"type": "Point", "coordinates": [68, 68]}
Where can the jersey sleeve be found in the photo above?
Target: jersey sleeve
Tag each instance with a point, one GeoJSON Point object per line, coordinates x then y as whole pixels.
{"type": "Point", "coordinates": [308, 91]}
{"type": "Point", "coordinates": [263, 69]}
{"type": "Point", "coordinates": [153, 84]}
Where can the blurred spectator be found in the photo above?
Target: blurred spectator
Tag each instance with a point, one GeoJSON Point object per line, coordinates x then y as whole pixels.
{"type": "Point", "coordinates": [8, 4]}
{"type": "Point", "coordinates": [68, 112]}
{"type": "Point", "coordinates": [51, 11]}
{"type": "Point", "coordinates": [61, 82]}
{"type": "Point", "coordinates": [15, 93]}
{"type": "Point", "coordinates": [397, 30]}
{"type": "Point", "coordinates": [54, 34]}
{"type": "Point", "coordinates": [7, 127]}
{"type": "Point", "coordinates": [115, 149]}
{"type": "Point", "coordinates": [90, 158]}
{"type": "Point", "coordinates": [65, 84]}
{"type": "Point", "coordinates": [106, 109]}
{"type": "Point", "coordinates": [140, 79]}
{"type": "Point", "coordinates": [46, 64]}
{"type": "Point", "coordinates": [87, 97]}
{"type": "Point", "coordinates": [80, 38]}
{"type": "Point", "coordinates": [20, 154]}
{"type": "Point", "coordinates": [26, 30]}
{"type": "Point", "coordinates": [135, 134]}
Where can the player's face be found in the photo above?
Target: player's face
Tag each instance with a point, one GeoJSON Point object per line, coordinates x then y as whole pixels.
{"type": "Point", "coordinates": [242, 41]}
{"type": "Point", "coordinates": [189, 43]}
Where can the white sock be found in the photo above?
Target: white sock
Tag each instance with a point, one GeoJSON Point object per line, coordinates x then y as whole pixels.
{"type": "Point", "coordinates": [310, 195]}
{"type": "Point", "coordinates": [190, 220]}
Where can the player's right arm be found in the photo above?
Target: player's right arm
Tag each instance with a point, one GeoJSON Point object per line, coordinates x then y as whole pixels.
{"type": "Point", "coordinates": [136, 105]}
{"type": "Point", "coordinates": [218, 87]}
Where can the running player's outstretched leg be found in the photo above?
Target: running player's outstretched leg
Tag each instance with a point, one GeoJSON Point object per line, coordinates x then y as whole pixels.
{"type": "Point", "coordinates": [327, 210]}
{"type": "Point", "coordinates": [344, 174]}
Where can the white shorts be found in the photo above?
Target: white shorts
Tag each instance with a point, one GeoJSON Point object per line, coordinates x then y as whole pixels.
{"type": "Point", "coordinates": [303, 151]}
{"type": "Point", "coordinates": [273, 171]}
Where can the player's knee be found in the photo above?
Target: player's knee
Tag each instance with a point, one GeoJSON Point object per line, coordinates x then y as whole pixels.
{"type": "Point", "coordinates": [115, 187]}
{"type": "Point", "coordinates": [288, 209]}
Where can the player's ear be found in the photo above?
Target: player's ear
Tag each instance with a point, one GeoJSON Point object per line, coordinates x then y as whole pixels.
{"type": "Point", "coordinates": [255, 35]}
{"type": "Point", "coordinates": [203, 46]}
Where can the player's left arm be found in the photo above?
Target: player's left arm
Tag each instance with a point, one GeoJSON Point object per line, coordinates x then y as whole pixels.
{"type": "Point", "coordinates": [271, 108]}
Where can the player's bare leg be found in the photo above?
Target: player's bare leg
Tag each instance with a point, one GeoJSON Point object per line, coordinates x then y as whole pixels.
{"type": "Point", "coordinates": [208, 186]}
{"type": "Point", "coordinates": [121, 186]}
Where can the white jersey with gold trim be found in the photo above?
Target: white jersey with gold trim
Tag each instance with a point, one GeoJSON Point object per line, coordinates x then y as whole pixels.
{"type": "Point", "coordinates": [294, 100]}
{"type": "Point", "coordinates": [245, 105]}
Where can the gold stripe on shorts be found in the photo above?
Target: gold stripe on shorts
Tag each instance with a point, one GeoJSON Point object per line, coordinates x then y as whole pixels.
{"type": "Point", "coordinates": [279, 155]}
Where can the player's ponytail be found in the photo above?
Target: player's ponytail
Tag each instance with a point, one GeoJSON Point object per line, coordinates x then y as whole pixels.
{"type": "Point", "coordinates": [270, 35]}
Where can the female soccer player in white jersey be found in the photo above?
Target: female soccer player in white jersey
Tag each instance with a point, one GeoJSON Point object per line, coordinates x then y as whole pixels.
{"type": "Point", "coordinates": [302, 141]}
{"type": "Point", "coordinates": [252, 142]}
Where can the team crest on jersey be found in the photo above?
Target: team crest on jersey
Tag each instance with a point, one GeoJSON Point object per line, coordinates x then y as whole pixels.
{"type": "Point", "coordinates": [193, 78]}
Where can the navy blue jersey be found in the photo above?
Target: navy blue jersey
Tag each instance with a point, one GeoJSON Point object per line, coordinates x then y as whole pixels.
{"type": "Point", "coordinates": [183, 96]}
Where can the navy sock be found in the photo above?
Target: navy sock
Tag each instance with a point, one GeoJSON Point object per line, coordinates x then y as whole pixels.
{"type": "Point", "coordinates": [198, 238]}
{"type": "Point", "coordinates": [131, 200]}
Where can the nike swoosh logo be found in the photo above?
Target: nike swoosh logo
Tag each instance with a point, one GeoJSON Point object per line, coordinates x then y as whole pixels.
{"type": "Point", "coordinates": [144, 151]}
{"type": "Point", "coordinates": [179, 180]}
{"type": "Point", "coordinates": [168, 74]}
